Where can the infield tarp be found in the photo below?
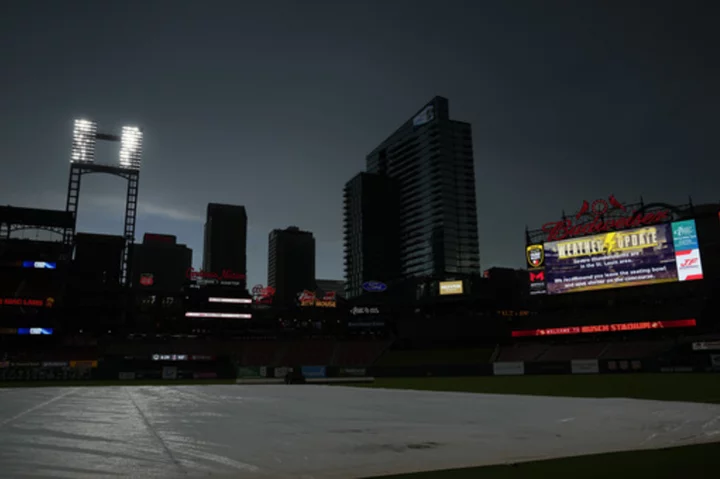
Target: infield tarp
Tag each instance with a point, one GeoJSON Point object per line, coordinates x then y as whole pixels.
{"type": "Point", "coordinates": [318, 432]}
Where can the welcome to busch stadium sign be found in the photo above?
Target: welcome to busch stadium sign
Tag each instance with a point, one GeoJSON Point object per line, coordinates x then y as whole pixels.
{"type": "Point", "coordinates": [604, 215]}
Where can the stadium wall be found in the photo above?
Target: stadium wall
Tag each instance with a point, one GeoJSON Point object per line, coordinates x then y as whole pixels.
{"type": "Point", "coordinates": [64, 372]}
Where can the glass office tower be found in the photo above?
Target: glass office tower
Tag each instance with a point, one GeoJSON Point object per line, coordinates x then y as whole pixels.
{"type": "Point", "coordinates": [371, 233]}
{"type": "Point", "coordinates": [431, 157]}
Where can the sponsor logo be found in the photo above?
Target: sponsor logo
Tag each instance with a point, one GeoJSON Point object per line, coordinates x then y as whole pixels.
{"type": "Point", "coordinates": [39, 264]}
{"type": "Point", "coordinates": [559, 230]}
{"type": "Point", "coordinates": [374, 286]}
{"type": "Point", "coordinates": [451, 287]}
{"type": "Point", "coordinates": [225, 274]}
{"type": "Point", "coordinates": [537, 277]}
{"type": "Point", "coordinates": [356, 310]}
{"type": "Point", "coordinates": [308, 298]}
{"type": "Point", "coordinates": [263, 294]}
{"type": "Point", "coordinates": [425, 116]}
{"type": "Point", "coordinates": [535, 255]}
{"type": "Point", "coordinates": [685, 231]}
{"type": "Point", "coordinates": [690, 263]}
{"type": "Point", "coordinates": [706, 346]}
{"type": "Point", "coordinates": [147, 279]}
{"type": "Point", "coordinates": [36, 303]}
{"type": "Point", "coordinates": [366, 324]}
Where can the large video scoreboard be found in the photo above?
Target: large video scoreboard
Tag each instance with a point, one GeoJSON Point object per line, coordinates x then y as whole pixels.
{"type": "Point", "coordinates": [650, 254]}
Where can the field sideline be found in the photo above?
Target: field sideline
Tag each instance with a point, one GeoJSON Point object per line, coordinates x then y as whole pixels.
{"type": "Point", "coordinates": [698, 461]}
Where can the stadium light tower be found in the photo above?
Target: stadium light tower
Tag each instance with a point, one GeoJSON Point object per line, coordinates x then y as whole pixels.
{"type": "Point", "coordinates": [82, 161]}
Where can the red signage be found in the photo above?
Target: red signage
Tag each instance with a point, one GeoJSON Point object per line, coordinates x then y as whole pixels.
{"type": "Point", "coordinates": [147, 279]}
{"type": "Point", "coordinates": [560, 230]}
{"type": "Point", "coordinates": [260, 290]}
{"type": "Point", "coordinates": [537, 277]}
{"type": "Point", "coordinates": [225, 275]}
{"type": "Point", "coordinates": [689, 262]}
{"type": "Point", "coordinates": [263, 294]}
{"type": "Point", "coordinates": [35, 303]}
{"type": "Point", "coordinates": [606, 328]}
{"type": "Point", "coordinates": [308, 298]}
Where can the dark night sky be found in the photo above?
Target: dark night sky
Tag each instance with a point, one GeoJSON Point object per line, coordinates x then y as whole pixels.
{"type": "Point", "coordinates": [274, 105]}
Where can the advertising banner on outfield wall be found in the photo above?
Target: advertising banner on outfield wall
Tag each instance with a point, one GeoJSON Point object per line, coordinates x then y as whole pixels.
{"type": "Point", "coordinates": [706, 346]}
{"type": "Point", "coordinates": [509, 368]}
{"type": "Point", "coordinates": [313, 371]}
{"type": "Point", "coordinates": [715, 362]}
{"type": "Point", "coordinates": [15, 372]}
{"type": "Point", "coordinates": [249, 372]}
{"type": "Point", "coordinates": [282, 372]}
{"type": "Point", "coordinates": [353, 372]}
{"type": "Point", "coordinates": [585, 366]}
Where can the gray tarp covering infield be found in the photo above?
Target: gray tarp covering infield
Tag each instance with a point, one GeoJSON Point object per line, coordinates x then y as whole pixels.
{"type": "Point", "coordinates": [316, 431]}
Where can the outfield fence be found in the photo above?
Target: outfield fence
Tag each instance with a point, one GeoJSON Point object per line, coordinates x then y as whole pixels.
{"type": "Point", "coordinates": [226, 369]}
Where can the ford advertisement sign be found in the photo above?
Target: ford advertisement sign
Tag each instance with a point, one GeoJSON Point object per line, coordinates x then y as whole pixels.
{"type": "Point", "coordinates": [314, 371]}
{"type": "Point", "coordinates": [374, 286]}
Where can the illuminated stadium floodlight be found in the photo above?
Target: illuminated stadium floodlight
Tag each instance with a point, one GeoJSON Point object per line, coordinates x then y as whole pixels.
{"type": "Point", "coordinates": [230, 300]}
{"type": "Point", "coordinates": [84, 138]}
{"type": "Point", "coordinates": [131, 147]}
{"type": "Point", "coordinates": [83, 162]}
{"type": "Point", "coordinates": [219, 315]}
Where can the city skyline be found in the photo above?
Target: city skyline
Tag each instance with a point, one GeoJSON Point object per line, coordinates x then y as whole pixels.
{"type": "Point", "coordinates": [567, 103]}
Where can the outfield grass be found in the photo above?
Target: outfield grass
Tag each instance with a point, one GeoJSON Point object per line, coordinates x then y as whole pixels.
{"type": "Point", "coordinates": [693, 462]}
{"type": "Point", "coordinates": [665, 387]}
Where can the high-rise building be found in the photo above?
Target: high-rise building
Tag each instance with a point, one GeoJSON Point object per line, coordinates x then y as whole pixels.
{"type": "Point", "coordinates": [291, 263]}
{"type": "Point", "coordinates": [98, 259]}
{"type": "Point", "coordinates": [372, 233]}
{"type": "Point", "coordinates": [431, 156]}
{"type": "Point", "coordinates": [226, 240]}
{"type": "Point", "coordinates": [160, 264]}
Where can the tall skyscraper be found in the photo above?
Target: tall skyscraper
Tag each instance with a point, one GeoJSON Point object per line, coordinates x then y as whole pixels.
{"type": "Point", "coordinates": [291, 263]}
{"type": "Point", "coordinates": [431, 156]}
{"type": "Point", "coordinates": [226, 240]}
{"type": "Point", "coordinates": [372, 232]}
{"type": "Point", "coordinates": [98, 259]}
